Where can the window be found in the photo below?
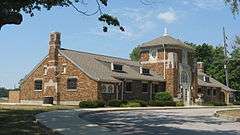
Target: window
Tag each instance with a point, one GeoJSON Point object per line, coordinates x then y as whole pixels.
{"type": "Point", "coordinates": [38, 85]}
{"type": "Point", "coordinates": [64, 69]}
{"type": "Point", "coordinates": [107, 88]}
{"type": "Point", "coordinates": [72, 83]}
{"type": "Point", "coordinates": [184, 77]}
{"type": "Point", "coordinates": [153, 54]}
{"type": "Point", "coordinates": [144, 87]}
{"type": "Point", "coordinates": [110, 89]}
{"type": "Point", "coordinates": [128, 86]}
{"type": "Point", "coordinates": [45, 70]}
{"type": "Point", "coordinates": [144, 71]}
{"type": "Point", "coordinates": [208, 92]}
{"type": "Point", "coordinates": [206, 79]}
{"type": "Point", "coordinates": [214, 92]}
{"type": "Point", "coordinates": [104, 89]}
{"type": "Point", "coordinates": [116, 67]}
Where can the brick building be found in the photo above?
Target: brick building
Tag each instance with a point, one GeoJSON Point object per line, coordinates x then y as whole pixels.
{"type": "Point", "coordinates": [71, 76]}
{"type": "Point", "coordinates": [166, 63]}
{"type": "Point", "coordinates": [185, 78]}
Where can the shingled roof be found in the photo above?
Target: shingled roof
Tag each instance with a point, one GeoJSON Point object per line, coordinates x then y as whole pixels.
{"type": "Point", "coordinates": [166, 40]}
{"type": "Point", "coordinates": [212, 82]}
{"type": "Point", "coordinates": [98, 67]}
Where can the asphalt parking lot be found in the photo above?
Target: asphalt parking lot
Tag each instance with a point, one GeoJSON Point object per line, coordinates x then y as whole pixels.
{"type": "Point", "coordinates": [141, 122]}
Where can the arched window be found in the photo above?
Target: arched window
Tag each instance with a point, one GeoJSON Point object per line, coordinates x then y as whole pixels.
{"type": "Point", "coordinates": [184, 77]}
{"type": "Point", "coordinates": [153, 54]}
{"type": "Point", "coordinates": [110, 89]}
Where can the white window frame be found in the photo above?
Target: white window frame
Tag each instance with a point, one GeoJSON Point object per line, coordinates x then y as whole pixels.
{"type": "Point", "coordinates": [64, 68]}
{"type": "Point", "coordinates": [72, 77]}
{"type": "Point", "coordinates": [151, 54]}
{"type": "Point", "coordinates": [107, 90]}
{"type": "Point", "coordinates": [45, 70]}
{"type": "Point", "coordinates": [42, 84]}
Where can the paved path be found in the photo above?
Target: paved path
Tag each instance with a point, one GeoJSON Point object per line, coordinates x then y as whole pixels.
{"type": "Point", "coordinates": [140, 122]}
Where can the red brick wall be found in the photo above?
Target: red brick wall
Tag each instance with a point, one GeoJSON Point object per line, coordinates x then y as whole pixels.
{"type": "Point", "coordinates": [86, 90]}
{"type": "Point", "coordinates": [13, 97]}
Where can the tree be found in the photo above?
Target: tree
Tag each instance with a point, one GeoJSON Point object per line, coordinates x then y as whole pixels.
{"type": "Point", "coordinates": [234, 5]}
{"type": "Point", "coordinates": [237, 41]}
{"type": "Point", "coordinates": [135, 54]}
{"type": "Point", "coordinates": [234, 68]}
{"type": "Point", "coordinates": [11, 10]}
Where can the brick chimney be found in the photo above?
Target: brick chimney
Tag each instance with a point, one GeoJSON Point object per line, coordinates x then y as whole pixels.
{"type": "Point", "coordinates": [54, 45]}
{"type": "Point", "coordinates": [200, 67]}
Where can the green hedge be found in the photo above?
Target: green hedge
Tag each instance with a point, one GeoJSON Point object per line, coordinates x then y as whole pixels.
{"type": "Point", "coordinates": [163, 97]}
{"type": "Point", "coordinates": [236, 103]}
{"type": "Point", "coordinates": [159, 103]}
{"type": "Point", "coordinates": [116, 103]}
{"type": "Point", "coordinates": [130, 103]}
{"type": "Point", "coordinates": [91, 104]}
{"type": "Point", "coordinates": [214, 103]}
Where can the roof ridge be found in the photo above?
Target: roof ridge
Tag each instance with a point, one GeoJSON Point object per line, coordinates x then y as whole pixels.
{"type": "Point", "coordinates": [97, 54]}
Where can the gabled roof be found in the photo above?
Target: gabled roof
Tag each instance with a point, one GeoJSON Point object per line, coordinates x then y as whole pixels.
{"type": "Point", "coordinates": [165, 40]}
{"type": "Point", "coordinates": [98, 67]}
{"type": "Point", "coordinates": [212, 82]}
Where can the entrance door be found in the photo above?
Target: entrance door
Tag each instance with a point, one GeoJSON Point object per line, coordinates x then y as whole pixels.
{"type": "Point", "coordinates": [186, 88]}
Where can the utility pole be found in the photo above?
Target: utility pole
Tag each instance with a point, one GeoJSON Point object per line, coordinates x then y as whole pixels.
{"type": "Point", "coordinates": [226, 57]}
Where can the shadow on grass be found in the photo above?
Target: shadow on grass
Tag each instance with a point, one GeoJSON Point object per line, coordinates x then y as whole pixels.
{"type": "Point", "coordinates": [20, 122]}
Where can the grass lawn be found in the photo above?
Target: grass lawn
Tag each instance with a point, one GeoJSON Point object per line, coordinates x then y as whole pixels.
{"type": "Point", "coordinates": [20, 120]}
{"type": "Point", "coordinates": [234, 113]}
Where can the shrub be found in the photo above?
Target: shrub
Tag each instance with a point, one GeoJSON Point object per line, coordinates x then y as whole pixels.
{"type": "Point", "coordinates": [179, 103]}
{"type": "Point", "coordinates": [163, 97]}
{"type": "Point", "coordinates": [115, 103]}
{"type": "Point", "coordinates": [91, 104]}
{"type": "Point", "coordinates": [155, 103]}
{"type": "Point", "coordinates": [141, 102]}
{"type": "Point", "coordinates": [214, 103]}
{"type": "Point", "coordinates": [131, 104]}
{"type": "Point", "coordinates": [159, 103]}
{"type": "Point", "coordinates": [236, 103]}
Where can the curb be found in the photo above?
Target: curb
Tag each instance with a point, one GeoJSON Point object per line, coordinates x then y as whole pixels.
{"type": "Point", "coordinates": [149, 108]}
{"type": "Point", "coordinates": [46, 129]}
{"type": "Point", "coordinates": [231, 118]}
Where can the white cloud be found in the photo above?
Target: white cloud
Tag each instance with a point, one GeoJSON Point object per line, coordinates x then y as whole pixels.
{"type": "Point", "coordinates": [168, 16]}
{"type": "Point", "coordinates": [205, 4]}
{"type": "Point", "coordinates": [136, 22]}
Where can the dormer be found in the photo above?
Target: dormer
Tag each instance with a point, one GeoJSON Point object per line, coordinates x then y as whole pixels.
{"type": "Point", "coordinates": [116, 67]}
{"type": "Point", "coordinates": [144, 71]}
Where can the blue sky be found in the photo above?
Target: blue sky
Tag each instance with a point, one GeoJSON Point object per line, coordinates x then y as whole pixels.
{"type": "Point", "coordinates": [197, 21]}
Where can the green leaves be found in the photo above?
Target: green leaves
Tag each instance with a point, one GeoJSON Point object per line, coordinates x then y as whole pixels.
{"type": "Point", "coordinates": [104, 2]}
{"type": "Point", "coordinates": [135, 54]}
{"type": "Point", "coordinates": [110, 20]}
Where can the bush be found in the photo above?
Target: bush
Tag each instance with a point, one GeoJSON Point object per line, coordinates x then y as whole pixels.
{"type": "Point", "coordinates": [179, 103]}
{"type": "Point", "coordinates": [115, 103]}
{"type": "Point", "coordinates": [159, 103]}
{"type": "Point", "coordinates": [163, 97]}
{"type": "Point", "coordinates": [91, 104]}
{"type": "Point", "coordinates": [155, 103]}
{"type": "Point", "coordinates": [214, 103]}
{"type": "Point", "coordinates": [141, 102]}
{"type": "Point", "coordinates": [236, 103]}
{"type": "Point", "coordinates": [131, 104]}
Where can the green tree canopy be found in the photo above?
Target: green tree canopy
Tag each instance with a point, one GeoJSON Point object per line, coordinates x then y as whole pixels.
{"type": "Point", "coordinates": [135, 54]}
{"type": "Point", "coordinates": [11, 10]}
